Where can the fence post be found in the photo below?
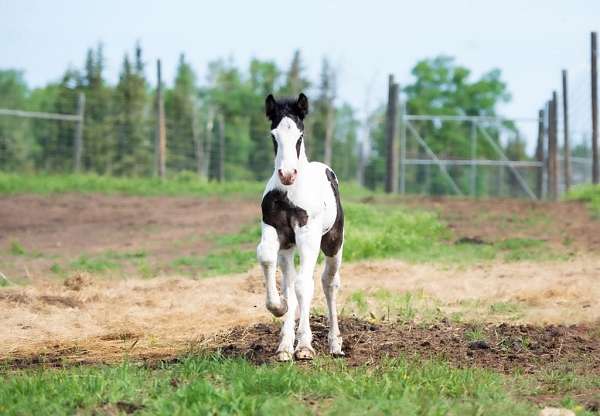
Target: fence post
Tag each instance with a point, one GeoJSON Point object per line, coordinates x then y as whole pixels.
{"type": "Point", "coordinates": [221, 126]}
{"type": "Point", "coordinates": [78, 148]}
{"type": "Point", "coordinates": [198, 143]}
{"type": "Point", "coordinates": [548, 134]}
{"type": "Point", "coordinates": [567, 144]}
{"type": "Point", "coordinates": [391, 180]}
{"type": "Point", "coordinates": [552, 151]}
{"type": "Point", "coordinates": [594, 58]}
{"type": "Point", "coordinates": [161, 133]}
{"type": "Point", "coordinates": [473, 157]}
{"type": "Point", "coordinates": [539, 155]}
{"type": "Point", "coordinates": [402, 147]}
{"type": "Point", "coordinates": [208, 139]}
{"type": "Point", "coordinates": [329, 126]}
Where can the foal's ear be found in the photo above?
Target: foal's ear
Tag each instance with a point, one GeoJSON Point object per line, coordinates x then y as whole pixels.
{"type": "Point", "coordinates": [302, 105]}
{"type": "Point", "coordinates": [270, 105]}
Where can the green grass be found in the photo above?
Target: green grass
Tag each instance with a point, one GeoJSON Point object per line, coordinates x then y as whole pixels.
{"type": "Point", "coordinates": [233, 253]}
{"type": "Point", "coordinates": [372, 232]}
{"type": "Point", "coordinates": [590, 194]}
{"type": "Point", "coordinates": [211, 384]}
{"type": "Point", "coordinates": [109, 261]}
{"type": "Point", "coordinates": [181, 184]}
{"type": "Point", "coordinates": [16, 249]}
{"type": "Point", "coordinates": [214, 385]}
{"type": "Point", "coordinates": [184, 184]}
{"type": "Point", "coordinates": [475, 334]}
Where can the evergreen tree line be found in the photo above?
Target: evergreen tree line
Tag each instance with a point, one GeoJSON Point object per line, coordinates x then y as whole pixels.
{"type": "Point", "coordinates": [222, 118]}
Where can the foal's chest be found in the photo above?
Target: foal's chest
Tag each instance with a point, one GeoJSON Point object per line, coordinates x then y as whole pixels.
{"type": "Point", "coordinates": [279, 212]}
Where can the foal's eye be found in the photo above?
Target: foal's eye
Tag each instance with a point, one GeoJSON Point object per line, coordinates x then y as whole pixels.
{"type": "Point", "coordinates": [298, 144]}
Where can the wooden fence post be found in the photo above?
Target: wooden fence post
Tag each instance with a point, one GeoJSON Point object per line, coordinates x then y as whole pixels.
{"type": "Point", "coordinates": [198, 143]}
{"type": "Point", "coordinates": [539, 155]}
{"type": "Point", "coordinates": [161, 132]}
{"type": "Point", "coordinates": [473, 172]}
{"type": "Point", "coordinates": [567, 144]}
{"type": "Point", "coordinates": [594, 57]}
{"type": "Point", "coordinates": [208, 139]}
{"type": "Point", "coordinates": [403, 122]}
{"type": "Point", "coordinates": [78, 148]}
{"type": "Point", "coordinates": [552, 150]}
{"type": "Point", "coordinates": [221, 126]}
{"type": "Point", "coordinates": [391, 180]}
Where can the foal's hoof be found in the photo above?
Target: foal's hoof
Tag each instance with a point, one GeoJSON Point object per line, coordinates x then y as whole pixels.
{"type": "Point", "coordinates": [283, 356]}
{"type": "Point", "coordinates": [278, 310]}
{"type": "Point", "coordinates": [335, 346]}
{"type": "Point", "coordinates": [304, 354]}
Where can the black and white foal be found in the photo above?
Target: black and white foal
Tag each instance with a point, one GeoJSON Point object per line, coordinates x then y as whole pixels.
{"type": "Point", "coordinates": [300, 210]}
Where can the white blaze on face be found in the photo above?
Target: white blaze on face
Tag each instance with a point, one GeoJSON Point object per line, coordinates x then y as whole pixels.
{"type": "Point", "coordinates": [286, 134]}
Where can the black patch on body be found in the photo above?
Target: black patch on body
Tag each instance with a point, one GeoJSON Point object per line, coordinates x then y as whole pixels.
{"type": "Point", "coordinates": [279, 212]}
{"type": "Point", "coordinates": [332, 239]}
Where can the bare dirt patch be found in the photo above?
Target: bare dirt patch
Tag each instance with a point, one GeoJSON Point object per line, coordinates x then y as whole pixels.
{"type": "Point", "coordinates": [63, 227]}
{"type": "Point", "coordinates": [501, 347]}
{"type": "Point", "coordinates": [563, 225]}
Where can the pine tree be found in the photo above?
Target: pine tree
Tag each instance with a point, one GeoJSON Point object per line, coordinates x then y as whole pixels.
{"type": "Point", "coordinates": [14, 146]}
{"type": "Point", "coordinates": [98, 131]}
{"type": "Point", "coordinates": [133, 153]}
{"type": "Point", "coordinates": [295, 82]}
{"type": "Point", "coordinates": [324, 114]}
{"type": "Point", "coordinates": [180, 108]}
{"type": "Point", "coordinates": [56, 140]}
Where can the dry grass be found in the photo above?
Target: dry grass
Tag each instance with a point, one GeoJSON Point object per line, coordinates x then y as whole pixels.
{"type": "Point", "coordinates": [104, 319]}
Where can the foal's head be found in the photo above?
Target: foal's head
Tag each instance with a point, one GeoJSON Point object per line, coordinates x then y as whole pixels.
{"type": "Point", "coordinates": [287, 131]}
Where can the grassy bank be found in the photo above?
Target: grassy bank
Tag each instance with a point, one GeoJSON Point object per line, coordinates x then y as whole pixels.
{"type": "Point", "coordinates": [182, 184]}
{"type": "Point", "coordinates": [590, 194]}
{"type": "Point", "coordinates": [185, 184]}
{"type": "Point", "coordinates": [379, 232]}
{"type": "Point", "coordinates": [214, 385]}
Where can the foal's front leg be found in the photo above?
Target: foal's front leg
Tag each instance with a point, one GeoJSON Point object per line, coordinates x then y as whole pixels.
{"type": "Point", "coordinates": [285, 351]}
{"type": "Point", "coordinates": [308, 241]}
{"type": "Point", "coordinates": [267, 252]}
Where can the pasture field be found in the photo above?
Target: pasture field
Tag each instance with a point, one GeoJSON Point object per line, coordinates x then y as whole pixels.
{"type": "Point", "coordinates": [138, 296]}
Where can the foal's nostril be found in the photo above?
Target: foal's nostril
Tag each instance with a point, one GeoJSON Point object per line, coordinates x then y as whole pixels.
{"type": "Point", "coordinates": [295, 171]}
{"type": "Point", "coordinates": [280, 172]}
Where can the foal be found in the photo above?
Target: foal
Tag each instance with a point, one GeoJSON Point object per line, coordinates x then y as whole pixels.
{"type": "Point", "coordinates": [300, 209]}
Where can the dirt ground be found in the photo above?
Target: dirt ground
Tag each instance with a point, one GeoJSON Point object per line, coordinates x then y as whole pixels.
{"type": "Point", "coordinates": [65, 226]}
{"type": "Point", "coordinates": [91, 320]}
{"type": "Point", "coordinates": [86, 319]}
{"type": "Point", "coordinates": [563, 225]}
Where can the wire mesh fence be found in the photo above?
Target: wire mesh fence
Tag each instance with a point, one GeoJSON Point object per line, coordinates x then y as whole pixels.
{"type": "Point", "coordinates": [89, 127]}
{"type": "Point", "coordinates": [478, 157]}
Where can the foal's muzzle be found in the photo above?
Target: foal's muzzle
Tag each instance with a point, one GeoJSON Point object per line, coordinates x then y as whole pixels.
{"type": "Point", "coordinates": [287, 178]}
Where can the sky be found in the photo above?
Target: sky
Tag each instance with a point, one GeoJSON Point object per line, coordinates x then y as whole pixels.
{"type": "Point", "coordinates": [529, 41]}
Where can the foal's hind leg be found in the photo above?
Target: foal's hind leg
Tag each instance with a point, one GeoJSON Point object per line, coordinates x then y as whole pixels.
{"type": "Point", "coordinates": [285, 351]}
{"type": "Point", "coordinates": [331, 283]}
